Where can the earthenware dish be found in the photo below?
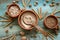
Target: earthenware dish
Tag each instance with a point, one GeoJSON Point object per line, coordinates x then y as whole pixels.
{"type": "Point", "coordinates": [28, 14]}
{"type": "Point", "coordinates": [13, 10]}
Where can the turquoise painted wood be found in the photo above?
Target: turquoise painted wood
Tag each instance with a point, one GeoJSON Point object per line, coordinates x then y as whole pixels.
{"type": "Point", "coordinates": [15, 28]}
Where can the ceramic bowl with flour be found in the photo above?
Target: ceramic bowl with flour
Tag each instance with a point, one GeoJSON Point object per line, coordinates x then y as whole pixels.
{"type": "Point", "coordinates": [27, 16]}
{"type": "Point", "coordinates": [51, 22]}
{"type": "Point", "coordinates": [13, 10]}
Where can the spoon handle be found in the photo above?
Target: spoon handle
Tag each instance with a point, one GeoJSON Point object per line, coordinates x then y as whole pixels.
{"type": "Point", "coordinates": [41, 30]}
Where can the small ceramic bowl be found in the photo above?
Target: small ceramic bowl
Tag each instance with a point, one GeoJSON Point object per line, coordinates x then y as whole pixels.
{"type": "Point", "coordinates": [51, 22]}
{"type": "Point", "coordinates": [13, 10]}
{"type": "Point", "coordinates": [27, 14]}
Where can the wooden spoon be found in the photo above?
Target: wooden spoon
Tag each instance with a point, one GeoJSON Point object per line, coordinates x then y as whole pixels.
{"type": "Point", "coordinates": [46, 34]}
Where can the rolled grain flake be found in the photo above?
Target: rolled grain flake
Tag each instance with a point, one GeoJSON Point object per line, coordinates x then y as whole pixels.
{"type": "Point", "coordinates": [36, 3]}
{"type": "Point", "coordinates": [57, 4]}
{"type": "Point", "coordinates": [44, 4]}
{"type": "Point", "coordinates": [47, 1]}
{"type": "Point", "coordinates": [17, 1]}
{"type": "Point", "coordinates": [11, 26]}
{"type": "Point", "coordinates": [13, 1]}
{"type": "Point", "coordinates": [30, 5]}
{"type": "Point", "coordinates": [6, 31]}
{"type": "Point", "coordinates": [23, 38]}
{"type": "Point", "coordinates": [52, 5]}
{"type": "Point", "coordinates": [7, 5]}
{"type": "Point", "coordinates": [34, 35]}
{"type": "Point", "coordinates": [53, 2]}
{"type": "Point", "coordinates": [23, 9]}
{"type": "Point", "coordinates": [22, 33]}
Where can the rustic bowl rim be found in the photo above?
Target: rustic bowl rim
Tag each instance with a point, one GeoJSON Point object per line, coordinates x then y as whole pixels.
{"type": "Point", "coordinates": [21, 25]}
{"type": "Point", "coordinates": [48, 26]}
{"type": "Point", "coordinates": [13, 4]}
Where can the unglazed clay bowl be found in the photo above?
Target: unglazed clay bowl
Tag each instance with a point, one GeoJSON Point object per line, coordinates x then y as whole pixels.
{"type": "Point", "coordinates": [27, 16]}
{"type": "Point", "coordinates": [51, 22]}
{"type": "Point", "coordinates": [13, 10]}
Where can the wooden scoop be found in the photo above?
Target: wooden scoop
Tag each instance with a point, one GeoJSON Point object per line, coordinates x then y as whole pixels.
{"type": "Point", "coordinates": [38, 28]}
{"type": "Point", "coordinates": [29, 21]}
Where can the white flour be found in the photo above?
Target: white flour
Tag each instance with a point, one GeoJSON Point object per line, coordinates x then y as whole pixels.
{"type": "Point", "coordinates": [28, 18]}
